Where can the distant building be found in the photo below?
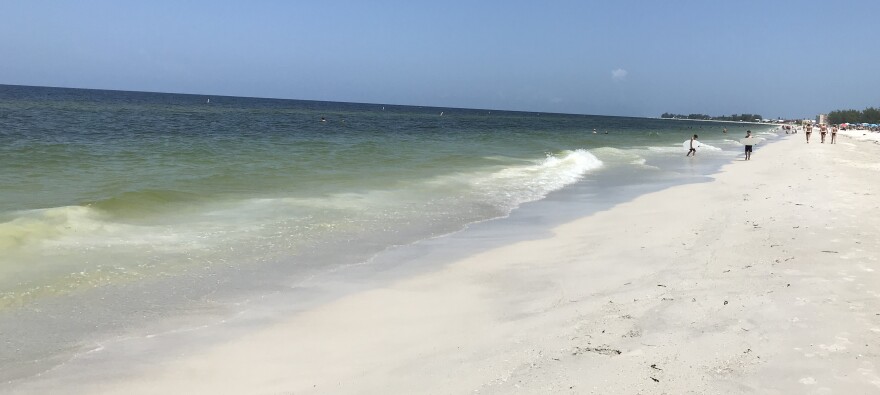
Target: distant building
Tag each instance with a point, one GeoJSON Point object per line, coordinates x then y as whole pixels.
{"type": "Point", "coordinates": [822, 119]}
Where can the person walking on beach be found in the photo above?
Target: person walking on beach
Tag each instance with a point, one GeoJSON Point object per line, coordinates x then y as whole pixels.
{"type": "Point", "coordinates": [834, 134]}
{"type": "Point", "coordinates": [809, 131]}
{"type": "Point", "coordinates": [693, 148]}
{"type": "Point", "coordinates": [822, 131]}
{"type": "Point", "coordinates": [748, 147]}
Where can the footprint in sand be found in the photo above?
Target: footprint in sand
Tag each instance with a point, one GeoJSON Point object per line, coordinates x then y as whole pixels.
{"type": "Point", "coordinates": [807, 381]}
{"type": "Point", "coordinates": [870, 375]}
{"type": "Point", "coordinates": [839, 345]}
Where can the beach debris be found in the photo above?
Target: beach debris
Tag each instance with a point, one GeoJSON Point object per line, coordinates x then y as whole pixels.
{"type": "Point", "coordinates": [830, 252]}
{"type": "Point", "coordinates": [725, 303]}
{"type": "Point", "coordinates": [667, 299]}
{"type": "Point", "coordinates": [635, 332]}
{"type": "Point", "coordinates": [661, 285]}
{"type": "Point", "coordinates": [604, 350]}
{"type": "Point", "coordinates": [654, 366]}
{"type": "Point", "coordinates": [655, 380]}
{"type": "Point", "coordinates": [727, 271]}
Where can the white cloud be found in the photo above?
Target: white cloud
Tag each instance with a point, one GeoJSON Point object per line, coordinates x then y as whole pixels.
{"type": "Point", "coordinates": [618, 74]}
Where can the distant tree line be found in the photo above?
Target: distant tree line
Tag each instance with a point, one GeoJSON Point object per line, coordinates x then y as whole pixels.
{"type": "Point", "coordinates": [734, 117]}
{"type": "Point", "coordinates": [869, 115]}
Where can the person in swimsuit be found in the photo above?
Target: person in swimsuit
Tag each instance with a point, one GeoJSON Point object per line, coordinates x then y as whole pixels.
{"type": "Point", "coordinates": [692, 150]}
{"type": "Point", "coordinates": [834, 134]}
{"type": "Point", "coordinates": [809, 131]}
{"type": "Point", "coordinates": [748, 147]}
{"type": "Point", "coordinates": [823, 130]}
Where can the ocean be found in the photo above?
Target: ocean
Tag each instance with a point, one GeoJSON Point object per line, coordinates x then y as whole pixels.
{"type": "Point", "coordinates": [122, 208]}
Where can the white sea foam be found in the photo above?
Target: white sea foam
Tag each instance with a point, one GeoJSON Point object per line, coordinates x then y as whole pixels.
{"type": "Point", "coordinates": [515, 185]}
{"type": "Point", "coordinates": [631, 156]}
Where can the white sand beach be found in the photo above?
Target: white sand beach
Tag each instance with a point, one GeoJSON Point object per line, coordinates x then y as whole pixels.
{"type": "Point", "coordinates": [861, 134]}
{"type": "Point", "coordinates": [765, 280]}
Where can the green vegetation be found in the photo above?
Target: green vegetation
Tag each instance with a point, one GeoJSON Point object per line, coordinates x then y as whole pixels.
{"type": "Point", "coordinates": [734, 117]}
{"type": "Point", "coordinates": [869, 115]}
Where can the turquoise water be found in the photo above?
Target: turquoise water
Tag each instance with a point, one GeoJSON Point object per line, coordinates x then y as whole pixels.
{"type": "Point", "coordinates": [106, 188]}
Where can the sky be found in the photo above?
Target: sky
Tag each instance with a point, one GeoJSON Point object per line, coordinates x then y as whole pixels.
{"type": "Point", "coordinates": [790, 59]}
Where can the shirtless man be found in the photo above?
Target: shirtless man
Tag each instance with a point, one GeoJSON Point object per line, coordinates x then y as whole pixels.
{"type": "Point", "coordinates": [822, 131]}
{"type": "Point", "coordinates": [748, 147]}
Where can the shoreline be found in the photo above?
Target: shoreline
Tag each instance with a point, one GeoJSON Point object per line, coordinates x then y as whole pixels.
{"type": "Point", "coordinates": [176, 305]}
{"type": "Point", "coordinates": [587, 310]}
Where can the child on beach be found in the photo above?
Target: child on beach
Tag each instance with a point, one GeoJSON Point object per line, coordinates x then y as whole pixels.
{"type": "Point", "coordinates": [692, 150]}
{"type": "Point", "coordinates": [748, 147]}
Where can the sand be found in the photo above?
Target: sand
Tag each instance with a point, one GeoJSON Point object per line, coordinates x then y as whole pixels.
{"type": "Point", "coordinates": [765, 280]}
{"type": "Point", "coordinates": [860, 134]}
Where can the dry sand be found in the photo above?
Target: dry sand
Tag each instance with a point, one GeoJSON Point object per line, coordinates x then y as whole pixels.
{"type": "Point", "coordinates": [765, 280]}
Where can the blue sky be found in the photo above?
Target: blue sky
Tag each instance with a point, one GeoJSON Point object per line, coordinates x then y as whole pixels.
{"type": "Point", "coordinates": [635, 58]}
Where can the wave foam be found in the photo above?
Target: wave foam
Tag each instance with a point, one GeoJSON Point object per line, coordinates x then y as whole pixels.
{"type": "Point", "coordinates": [79, 226]}
{"type": "Point", "coordinates": [520, 184]}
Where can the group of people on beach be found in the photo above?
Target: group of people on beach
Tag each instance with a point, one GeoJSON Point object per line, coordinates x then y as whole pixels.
{"type": "Point", "coordinates": [823, 131]}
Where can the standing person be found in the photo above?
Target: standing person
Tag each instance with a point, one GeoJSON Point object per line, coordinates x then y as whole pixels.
{"type": "Point", "coordinates": [823, 129]}
{"type": "Point", "coordinates": [809, 131]}
{"type": "Point", "coordinates": [693, 146]}
{"type": "Point", "coordinates": [834, 134]}
{"type": "Point", "coordinates": [748, 147]}
{"type": "Point", "coordinates": [724, 131]}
